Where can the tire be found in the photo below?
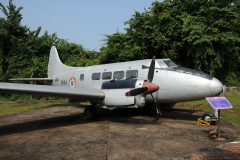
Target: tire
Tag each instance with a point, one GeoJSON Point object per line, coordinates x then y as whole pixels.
{"type": "Point", "coordinates": [90, 113]}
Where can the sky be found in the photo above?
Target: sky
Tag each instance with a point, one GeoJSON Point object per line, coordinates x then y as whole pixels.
{"type": "Point", "coordinates": [85, 22]}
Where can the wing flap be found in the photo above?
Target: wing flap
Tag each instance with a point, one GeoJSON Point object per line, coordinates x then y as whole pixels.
{"type": "Point", "coordinates": [47, 90]}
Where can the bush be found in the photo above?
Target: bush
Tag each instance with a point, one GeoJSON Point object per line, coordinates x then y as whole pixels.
{"type": "Point", "coordinates": [232, 79]}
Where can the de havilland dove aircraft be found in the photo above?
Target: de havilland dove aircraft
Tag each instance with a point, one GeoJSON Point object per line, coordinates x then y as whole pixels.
{"type": "Point", "coordinates": [125, 84]}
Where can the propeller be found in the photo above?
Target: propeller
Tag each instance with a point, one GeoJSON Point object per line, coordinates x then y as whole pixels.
{"type": "Point", "coordinates": [159, 112]}
{"type": "Point", "coordinates": [148, 87]}
{"type": "Point", "coordinates": [136, 91]}
{"type": "Point", "coordinates": [150, 78]}
{"type": "Point", "coordinates": [151, 70]}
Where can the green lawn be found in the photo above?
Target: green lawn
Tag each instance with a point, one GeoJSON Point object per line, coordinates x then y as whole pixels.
{"type": "Point", "coordinates": [10, 107]}
{"type": "Point", "coordinates": [230, 115]}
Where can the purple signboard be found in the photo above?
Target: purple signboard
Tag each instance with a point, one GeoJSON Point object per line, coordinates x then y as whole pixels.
{"type": "Point", "coordinates": [219, 102]}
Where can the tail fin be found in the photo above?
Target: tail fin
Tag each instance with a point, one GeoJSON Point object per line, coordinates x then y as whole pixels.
{"type": "Point", "coordinates": [55, 66]}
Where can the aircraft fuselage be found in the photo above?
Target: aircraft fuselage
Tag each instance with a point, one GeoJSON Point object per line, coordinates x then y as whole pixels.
{"type": "Point", "coordinates": [176, 83]}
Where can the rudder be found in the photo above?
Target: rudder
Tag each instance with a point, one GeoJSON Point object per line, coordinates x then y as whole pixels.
{"type": "Point", "coordinates": [55, 66]}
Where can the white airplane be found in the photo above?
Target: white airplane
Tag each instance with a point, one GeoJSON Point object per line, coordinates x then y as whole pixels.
{"type": "Point", "coordinates": [125, 84]}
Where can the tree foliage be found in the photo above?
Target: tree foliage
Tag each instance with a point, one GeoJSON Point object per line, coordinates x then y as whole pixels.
{"type": "Point", "coordinates": [119, 48]}
{"type": "Point", "coordinates": [24, 53]}
{"type": "Point", "coordinates": [201, 34]}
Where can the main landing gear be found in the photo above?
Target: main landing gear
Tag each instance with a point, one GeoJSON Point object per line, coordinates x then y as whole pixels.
{"type": "Point", "coordinates": [90, 112]}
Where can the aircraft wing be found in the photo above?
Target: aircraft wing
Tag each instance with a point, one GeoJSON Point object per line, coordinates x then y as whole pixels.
{"type": "Point", "coordinates": [31, 79]}
{"type": "Point", "coordinates": [48, 90]}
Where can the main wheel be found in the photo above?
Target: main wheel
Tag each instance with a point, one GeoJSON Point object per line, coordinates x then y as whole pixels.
{"type": "Point", "coordinates": [90, 113]}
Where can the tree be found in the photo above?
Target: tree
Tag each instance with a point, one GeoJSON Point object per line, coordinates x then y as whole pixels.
{"type": "Point", "coordinates": [25, 54]}
{"type": "Point", "coordinates": [10, 31]}
{"type": "Point", "coordinates": [201, 34]}
{"type": "Point", "coordinates": [119, 48]}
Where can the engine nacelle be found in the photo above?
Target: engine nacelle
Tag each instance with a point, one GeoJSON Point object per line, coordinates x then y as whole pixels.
{"type": "Point", "coordinates": [140, 100]}
{"type": "Point", "coordinates": [115, 93]}
{"type": "Point", "coordinates": [116, 97]}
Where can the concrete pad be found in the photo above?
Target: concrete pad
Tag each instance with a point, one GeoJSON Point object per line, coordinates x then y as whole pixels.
{"type": "Point", "coordinates": [62, 133]}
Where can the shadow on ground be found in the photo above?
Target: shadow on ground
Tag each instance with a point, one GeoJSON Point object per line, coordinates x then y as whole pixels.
{"type": "Point", "coordinates": [118, 115]}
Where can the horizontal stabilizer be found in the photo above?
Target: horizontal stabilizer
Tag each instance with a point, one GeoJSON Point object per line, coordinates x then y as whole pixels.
{"type": "Point", "coordinates": [31, 79]}
{"type": "Point", "coordinates": [47, 90]}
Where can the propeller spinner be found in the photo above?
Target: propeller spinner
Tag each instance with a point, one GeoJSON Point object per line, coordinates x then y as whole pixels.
{"type": "Point", "coordinates": [148, 87]}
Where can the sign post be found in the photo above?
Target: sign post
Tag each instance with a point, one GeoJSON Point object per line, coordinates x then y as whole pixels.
{"type": "Point", "coordinates": [218, 123]}
{"type": "Point", "coordinates": [218, 103]}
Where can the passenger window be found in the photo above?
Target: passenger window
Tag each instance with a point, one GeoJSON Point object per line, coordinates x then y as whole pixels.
{"type": "Point", "coordinates": [96, 76]}
{"type": "Point", "coordinates": [106, 75]}
{"type": "Point", "coordinates": [81, 77]}
{"type": "Point", "coordinates": [118, 75]}
{"type": "Point", "coordinates": [132, 74]}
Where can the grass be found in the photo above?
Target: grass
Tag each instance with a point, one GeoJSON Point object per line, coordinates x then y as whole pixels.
{"type": "Point", "coordinates": [230, 115]}
{"type": "Point", "coordinates": [10, 107]}
{"type": "Point", "coordinates": [7, 109]}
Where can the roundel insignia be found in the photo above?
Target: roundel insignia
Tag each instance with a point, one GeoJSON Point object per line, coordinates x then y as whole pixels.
{"type": "Point", "coordinates": [72, 82]}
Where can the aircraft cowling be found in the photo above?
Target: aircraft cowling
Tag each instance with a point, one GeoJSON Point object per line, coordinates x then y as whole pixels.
{"type": "Point", "coordinates": [140, 100]}
{"type": "Point", "coordinates": [115, 90]}
{"type": "Point", "coordinates": [116, 97]}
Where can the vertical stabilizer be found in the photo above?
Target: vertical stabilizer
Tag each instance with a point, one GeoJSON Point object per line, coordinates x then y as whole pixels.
{"type": "Point", "coordinates": [55, 66]}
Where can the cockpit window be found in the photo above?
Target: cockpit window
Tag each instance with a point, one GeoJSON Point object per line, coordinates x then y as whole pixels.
{"type": "Point", "coordinates": [169, 63]}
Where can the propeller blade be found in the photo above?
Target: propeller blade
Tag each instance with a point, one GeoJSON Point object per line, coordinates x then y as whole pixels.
{"type": "Point", "coordinates": [159, 112]}
{"type": "Point", "coordinates": [151, 70]}
{"type": "Point", "coordinates": [136, 91]}
{"type": "Point", "coordinates": [144, 67]}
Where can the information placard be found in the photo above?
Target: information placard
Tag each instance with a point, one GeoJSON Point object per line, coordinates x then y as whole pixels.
{"type": "Point", "coordinates": [219, 103]}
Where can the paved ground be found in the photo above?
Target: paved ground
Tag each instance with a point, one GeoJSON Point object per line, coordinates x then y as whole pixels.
{"type": "Point", "coordinates": [61, 133]}
{"type": "Point", "coordinates": [229, 151]}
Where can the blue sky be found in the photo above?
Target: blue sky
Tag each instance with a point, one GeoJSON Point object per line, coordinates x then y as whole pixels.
{"type": "Point", "coordinates": [81, 21]}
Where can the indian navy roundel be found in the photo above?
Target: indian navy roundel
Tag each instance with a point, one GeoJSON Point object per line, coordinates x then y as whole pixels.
{"type": "Point", "coordinates": [72, 82]}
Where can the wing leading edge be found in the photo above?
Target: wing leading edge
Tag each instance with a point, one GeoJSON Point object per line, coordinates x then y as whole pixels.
{"type": "Point", "coordinates": [31, 79]}
{"type": "Point", "coordinates": [47, 90]}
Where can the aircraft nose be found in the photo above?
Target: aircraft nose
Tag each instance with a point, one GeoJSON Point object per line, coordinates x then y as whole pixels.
{"type": "Point", "coordinates": [216, 86]}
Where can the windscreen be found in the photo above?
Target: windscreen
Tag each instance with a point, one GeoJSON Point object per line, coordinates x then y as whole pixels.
{"type": "Point", "coordinates": [169, 63]}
